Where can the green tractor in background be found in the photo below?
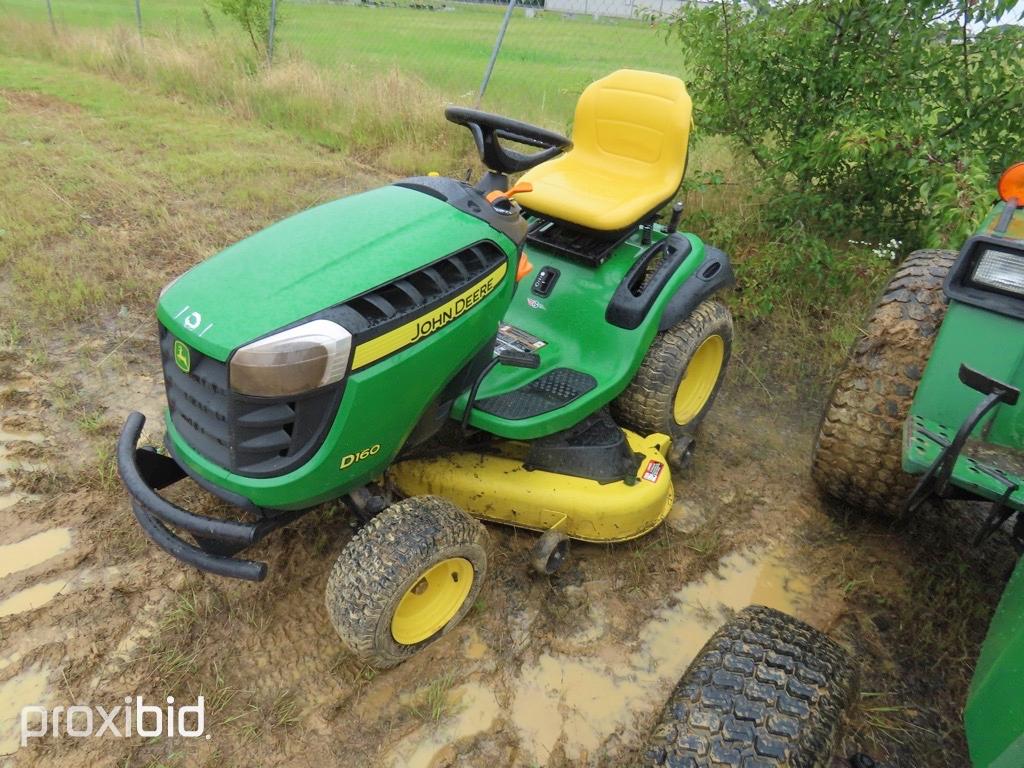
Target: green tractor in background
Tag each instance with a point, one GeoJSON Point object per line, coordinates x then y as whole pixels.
{"type": "Point", "coordinates": [927, 407]}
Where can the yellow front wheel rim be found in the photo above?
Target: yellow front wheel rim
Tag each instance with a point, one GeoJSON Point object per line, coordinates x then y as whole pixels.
{"type": "Point", "coordinates": [699, 380]}
{"type": "Point", "coordinates": [433, 601]}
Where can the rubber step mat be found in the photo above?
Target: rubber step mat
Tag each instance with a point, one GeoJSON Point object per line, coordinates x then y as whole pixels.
{"type": "Point", "coordinates": [549, 392]}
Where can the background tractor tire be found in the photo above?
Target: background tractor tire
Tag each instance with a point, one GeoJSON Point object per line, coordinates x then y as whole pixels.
{"type": "Point", "coordinates": [766, 691]}
{"type": "Point", "coordinates": [858, 451]}
{"type": "Point", "coordinates": [666, 395]}
{"type": "Point", "coordinates": [423, 548]}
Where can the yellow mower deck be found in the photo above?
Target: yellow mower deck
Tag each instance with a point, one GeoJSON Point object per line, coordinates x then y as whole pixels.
{"type": "Point", "coordinates": [496, 487]}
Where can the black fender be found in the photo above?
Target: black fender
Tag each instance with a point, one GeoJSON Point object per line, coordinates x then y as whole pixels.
{"type": "Point", "coordinates": [637, 293]}
{"type": "Point", "coordinates": [714, 275]}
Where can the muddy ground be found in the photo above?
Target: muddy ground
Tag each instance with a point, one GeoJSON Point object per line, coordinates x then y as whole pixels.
{"type": "Point", "coordinates": [561, 671]}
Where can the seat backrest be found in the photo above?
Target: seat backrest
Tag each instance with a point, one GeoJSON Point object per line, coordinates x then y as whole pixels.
{"type": "Point", "coordinates": [634, 118]}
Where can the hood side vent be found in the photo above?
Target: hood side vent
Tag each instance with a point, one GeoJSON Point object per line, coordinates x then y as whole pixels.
{"type": "Point", "coordinates": [390, 304]}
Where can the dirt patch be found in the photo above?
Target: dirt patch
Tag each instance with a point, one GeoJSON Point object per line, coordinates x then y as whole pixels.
{"type": "Point", "coordinates": [33, 101]}
{"type": "Point", "coordinates": [566, 671]}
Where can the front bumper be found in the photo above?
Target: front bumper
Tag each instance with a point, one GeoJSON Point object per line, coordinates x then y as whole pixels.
{"type": "Point", "coordinates": [144, 471]}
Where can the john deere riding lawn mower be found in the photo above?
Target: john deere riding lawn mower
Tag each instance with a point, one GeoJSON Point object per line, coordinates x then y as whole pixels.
{"type": "Point", "coordinates": [928, 407]}
{"type": "Point", "coordinates": [529, 354]}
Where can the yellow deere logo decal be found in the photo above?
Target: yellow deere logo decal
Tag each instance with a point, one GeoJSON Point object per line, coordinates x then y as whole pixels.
{"type": "Point", "coordinates": [182, 356]}
{"type": "Point", "coordinates": [424, 325]}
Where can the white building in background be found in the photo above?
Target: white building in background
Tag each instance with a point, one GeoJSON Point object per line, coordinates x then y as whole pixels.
{"type": "Point", "coordinates": [625, 9]}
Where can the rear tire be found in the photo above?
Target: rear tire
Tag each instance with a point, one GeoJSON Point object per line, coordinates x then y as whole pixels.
{"type": "Point", "coordinates": [857, 455]}
{"type": "Point", "coordinates": [680, 375]}
{"type": "Point", "coordinates": [401, 582]}
{"type": "Point", "coordinates": [766, 691]}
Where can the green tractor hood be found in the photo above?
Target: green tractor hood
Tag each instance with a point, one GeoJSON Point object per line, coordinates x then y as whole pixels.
{"type": "Point", "coordinates": [311, 261]}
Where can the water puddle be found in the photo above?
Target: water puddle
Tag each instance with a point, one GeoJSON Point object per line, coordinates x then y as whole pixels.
{"type": "Point", "coordinates": [7, 437]}
{"type": "Point", "coordinates": [475, 647]}
{"type": "Point", "coordinates": [31, 598]}
{"type": "Point", "coordinates": [680, 632]}
{"type": "Point", "coordinates": [9, 498]}
{"type": "Point", "coordinates": [580, 698]}
{"type": "Point", "coordinates": [474, 711]}
{"type": "Point", "coordinates": [34, 550]}
{"type": "Point", "coordinates": [20, 691]}
{"type": "Point", "coordinates": [13, 436]}
{"type": "Point", "coordinates": [581, 701]}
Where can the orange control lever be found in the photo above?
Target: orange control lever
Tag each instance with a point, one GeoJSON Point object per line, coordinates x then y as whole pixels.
{"type": "Point", "coordinates": [524, 266]}
{"type": "Point", "coordinates": [519, 187]}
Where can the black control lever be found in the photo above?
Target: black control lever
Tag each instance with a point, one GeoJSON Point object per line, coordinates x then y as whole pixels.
{"type": "Point", "coordinates": [677, 214]}
{"type": "Point", "coordinates": [505, 357]}
{"type": "Point", "coordinates": [518, 359]}
{"type": "Point", "coordinates": [979, 382]}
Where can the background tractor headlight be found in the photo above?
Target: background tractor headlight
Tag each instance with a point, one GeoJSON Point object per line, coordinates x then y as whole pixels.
{"type": "Point", "coordinates": [1000, 270]}
{"type": "Point", "coordinates": [291, 362]}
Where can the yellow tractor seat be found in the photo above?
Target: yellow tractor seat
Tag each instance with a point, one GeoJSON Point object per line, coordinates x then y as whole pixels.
{"type": "Point", "coordinates": [630, 137]}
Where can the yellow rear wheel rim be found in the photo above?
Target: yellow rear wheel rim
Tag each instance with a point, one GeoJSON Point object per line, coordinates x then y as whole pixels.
{"type": "Point", "coordinates": [433, 601]}
{"type": "Point", "coordinates": [699, 380]}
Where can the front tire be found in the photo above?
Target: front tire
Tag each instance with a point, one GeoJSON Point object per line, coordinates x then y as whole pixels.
{"type": "Point", "coordinates": [857, 455]}
{"type": "Point", "coordinates": [406, 578]}
{"type": "Point", "coordinates": [766, 690]}
{"type": "Point", "coordinates": [680, 375]}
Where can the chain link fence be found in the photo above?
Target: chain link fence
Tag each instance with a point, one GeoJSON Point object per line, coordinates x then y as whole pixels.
{"type": "Point", "coordinates": [529, 58]}
{"type": "Point", "coordinates": [526, 58]}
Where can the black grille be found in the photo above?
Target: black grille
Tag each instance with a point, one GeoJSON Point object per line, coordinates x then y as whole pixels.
{"type": "Point", "coordinates": [251, 436]}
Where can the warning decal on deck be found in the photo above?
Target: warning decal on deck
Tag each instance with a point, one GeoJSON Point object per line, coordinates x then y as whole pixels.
{"type": "Point", "coordinates": [653, 471]}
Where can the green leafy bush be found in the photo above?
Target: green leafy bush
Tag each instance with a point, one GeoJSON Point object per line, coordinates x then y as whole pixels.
{"type": "Point", "coordinates": [869, 119]}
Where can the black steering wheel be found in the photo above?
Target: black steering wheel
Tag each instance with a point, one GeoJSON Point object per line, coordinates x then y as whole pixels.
{"type": "Point", "coordinates": [488, 129]}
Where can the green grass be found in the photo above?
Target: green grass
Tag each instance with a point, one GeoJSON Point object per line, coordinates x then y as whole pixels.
{"type": "Point", "coordinates": [381, 120]}
{"type": "Point", "coordinates": [431, 704]}
{"type": "Point", "coordinates": [545, 61]}
{"type": "Point", "coordinates": [389, 121]}
{"type": "Point", "coordinates": [109, 192]}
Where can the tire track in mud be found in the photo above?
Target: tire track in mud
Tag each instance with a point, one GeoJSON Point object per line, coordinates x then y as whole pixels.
{"type": "Point", "coordinates": [557, 672]}
{"type": "Point", "coordinates": [587, 693]}
{"type": "Point", "coordinates": [26, 582]}
{"type": "Point", "coordinates": [57, 614]}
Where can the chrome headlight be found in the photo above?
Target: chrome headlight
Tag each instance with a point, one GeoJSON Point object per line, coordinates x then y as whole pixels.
{"type": "Point", "coordinates": [1000, 270]}
{"type": "Point", "coordinates": [291, 362]}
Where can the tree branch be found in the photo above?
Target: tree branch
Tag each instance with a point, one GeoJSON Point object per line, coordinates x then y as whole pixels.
{"type": "Point", "coordinates": [726, 94]}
